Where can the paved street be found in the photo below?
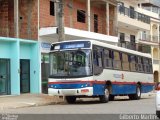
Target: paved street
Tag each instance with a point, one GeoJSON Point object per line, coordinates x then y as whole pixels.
{"type": "Point", "coordinates": [121, 105]}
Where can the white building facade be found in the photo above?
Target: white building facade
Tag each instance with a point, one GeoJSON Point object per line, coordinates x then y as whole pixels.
{"type": "Point", "coordinates": [139, 29]}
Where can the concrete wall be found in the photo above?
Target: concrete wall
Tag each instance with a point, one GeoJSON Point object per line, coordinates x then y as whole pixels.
{"type": "Point", "coordinates": [28, 22]}
{"type": "Point", "coordinates": [70, 15]}
{"type": "Point", "coordinates": [46, 19]}
{"type": "Point", "coordinates": [4, 5]}
{"type": "Point", "coordinates": [128, 32]}
{"type": "Point", "coordinates": [30, 51]}
{"type": "Point", "coordinates": [28, 19]}
{"type": "Point", "coordinates": [16, 49]}
{"type": "Point", "coordinates": [15, 68]}
{"type": "Point", "coordinates": [9, 50]}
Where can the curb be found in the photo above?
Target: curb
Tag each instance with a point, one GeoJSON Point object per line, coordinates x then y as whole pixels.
{"type": "Point", "coordinates": [28, 104]}
{"type": "Point", "coordinates": [29, 101]}
{"type": "Point", "coordinates": [35, 104]}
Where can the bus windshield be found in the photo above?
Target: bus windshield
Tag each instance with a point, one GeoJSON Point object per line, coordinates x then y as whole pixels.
{"type": "Point", "coordinates": [71, 63]}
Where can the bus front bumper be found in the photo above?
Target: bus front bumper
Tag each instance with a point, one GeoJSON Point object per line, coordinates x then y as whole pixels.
{"type": "Point", "coordinates": [87, 91]}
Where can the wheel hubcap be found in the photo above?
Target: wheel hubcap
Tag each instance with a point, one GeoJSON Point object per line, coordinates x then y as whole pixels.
{"type": "Point", "coordinates": [138, 92]}
{"type": "Point", "coordinates": [106, 93]}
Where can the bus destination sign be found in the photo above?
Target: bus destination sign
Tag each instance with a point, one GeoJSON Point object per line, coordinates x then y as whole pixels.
{"type": "Point", "coordinates": [71, 45]}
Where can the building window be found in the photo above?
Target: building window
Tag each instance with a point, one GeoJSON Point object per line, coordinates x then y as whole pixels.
{"type": "Point", "coordinates": [52, 12]}
{"type": "Point", "coordinates": [81, 17]}
{"type": "Point", "coordinates": [133, 44]}
{"type": "Point", "coordinates": [122, 40]}
{"type": "Point", "coordinates": [95, 23]}
{"type": "Point", "coordinates": [122, 35]}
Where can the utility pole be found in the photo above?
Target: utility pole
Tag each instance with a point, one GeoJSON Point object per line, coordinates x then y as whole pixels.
{"type": "Point", "coordinates": [16, 19]}
{"type": "Point", "coordinates": [60, 20]}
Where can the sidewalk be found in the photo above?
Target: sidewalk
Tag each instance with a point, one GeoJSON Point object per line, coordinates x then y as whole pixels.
{"type": "Point", "coordinates": [27, 100]}
{"type": "Point", "coordinates": [30, 100]}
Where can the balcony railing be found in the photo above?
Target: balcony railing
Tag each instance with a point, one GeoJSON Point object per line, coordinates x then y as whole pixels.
{"type": "Point", "coordinates": [145, 37]}
{"type": "Point", "coordinates": [144, 48]}
{"type": "Point", "coordinates": [155, 39]}
{"type": "Point", "coordinates": [134, 14]}
{"type": "Point", "coordinates": [155, 61]}
{"type": "Point", "coordinates": [148, 38]}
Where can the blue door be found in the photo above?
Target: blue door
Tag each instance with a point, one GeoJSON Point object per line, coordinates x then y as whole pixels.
{"type": "Point", "coordinates": [4, 76]}
{"type": "Point", "coordinates": [25, 76]}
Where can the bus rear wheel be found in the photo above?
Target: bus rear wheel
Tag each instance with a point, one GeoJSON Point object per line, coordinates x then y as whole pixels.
{"type": "Point", "coordinates": [70, 99]}
{"type": "Point", "coordinates": [136, 96]}
{"type": "Point", "coordinates": [111, 97]}
{"type": "Point", "coordinates": [104, 98]}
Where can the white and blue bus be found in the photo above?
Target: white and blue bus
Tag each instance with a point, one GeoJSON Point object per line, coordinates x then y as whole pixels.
{"type": "Point", "coordinates": [89, 68]}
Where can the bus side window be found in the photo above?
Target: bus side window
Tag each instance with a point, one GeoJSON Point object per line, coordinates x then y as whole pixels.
{"type": "Point", "coordinates": [150, 66]}
{"type": "Point", "coordinates": [146, 65]}
{"type": "Point", "coordinates": [140, 64]}
{"type": "Point", "coordinates": [132, 60]}
{"type": "Point", "coordinates": [107, 58]}
{"type": "Point", "coordinates": [117, 60]}
{"type": "Point", "coordinates": [97, 59]}
{"type": "Point", "coordinates": [125, 62]}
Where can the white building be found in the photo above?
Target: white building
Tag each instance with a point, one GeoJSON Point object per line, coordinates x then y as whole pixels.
{"type": "Point", "coordinates": [139, 28]}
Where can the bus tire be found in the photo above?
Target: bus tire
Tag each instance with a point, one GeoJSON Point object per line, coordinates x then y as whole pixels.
{"type": "Point", "coordinates": [158, 114]}
{"type": "Point", "coordinates": [70, 99]}
{"type": "Point", "coordinates": [104, 98]}
{"type": "Point", "coordinates": [111, 97]}
{"type": "Point", "coordinates": [136, 96]}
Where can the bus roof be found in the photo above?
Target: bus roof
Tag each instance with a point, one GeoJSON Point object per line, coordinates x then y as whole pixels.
{"type": "Point", "coordinates": [114, 47]}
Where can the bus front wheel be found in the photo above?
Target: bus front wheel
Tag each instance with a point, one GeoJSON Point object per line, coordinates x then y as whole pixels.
{"type": "Point", "coordinates": [137, 95]}
{"type": "Point", "coordinates": [104, 98]}
{"type": "Point", "coordinates": [70, 99]}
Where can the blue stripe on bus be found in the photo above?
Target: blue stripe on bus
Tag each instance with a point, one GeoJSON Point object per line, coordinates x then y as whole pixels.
{"type": "Point", "coordinates": [98, 89]}
{"type": "Point", "coordinates": [130, 89]}
{"type": "Point", "coordinates": [147, 88]}
{"type": "Point", "coordinates": [123, 89]}
{"type": "Point", "coordinates": [69, 86]}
